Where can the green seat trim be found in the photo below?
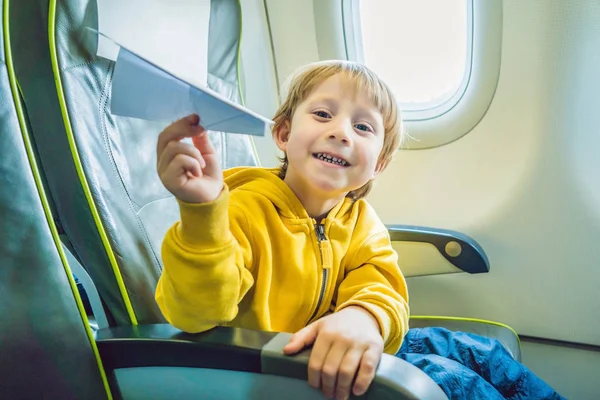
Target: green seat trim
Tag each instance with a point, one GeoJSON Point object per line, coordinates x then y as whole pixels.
{"type": "Point", "coordinates": [77, 161]}
{"type": "Point", "coordinates": [42, 194]}
{"type": "Point", "coordinates": [483, 321]}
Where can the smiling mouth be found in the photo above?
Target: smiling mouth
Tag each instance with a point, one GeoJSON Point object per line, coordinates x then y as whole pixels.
{"type": "Point", "coordinates": [331, 159]}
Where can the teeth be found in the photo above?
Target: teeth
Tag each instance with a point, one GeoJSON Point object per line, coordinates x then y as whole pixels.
{"type": "Point", "coordinates": [330, 159]}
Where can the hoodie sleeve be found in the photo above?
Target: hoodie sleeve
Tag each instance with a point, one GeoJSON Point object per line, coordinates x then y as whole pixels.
{"type": "Point", "coordinates": [204, 275]}
{"type": "Point", "coordinates": [374, 282]}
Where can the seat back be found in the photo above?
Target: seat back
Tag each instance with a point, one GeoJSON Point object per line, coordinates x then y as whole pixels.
{"type": "Point", "coordinates": [100, 168]}
{"type": "Point", "coordinates": [46, 350]}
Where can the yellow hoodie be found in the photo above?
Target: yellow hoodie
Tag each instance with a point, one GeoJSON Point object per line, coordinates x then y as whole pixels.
{"type": "Point", "coordinates": [253, 258]}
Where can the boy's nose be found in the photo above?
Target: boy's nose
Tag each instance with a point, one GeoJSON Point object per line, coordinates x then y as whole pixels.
{"type": "Point", "coordinates": [340, 133]}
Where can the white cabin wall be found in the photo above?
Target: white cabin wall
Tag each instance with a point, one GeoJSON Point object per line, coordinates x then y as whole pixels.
{"type": "Point", "coordinates": [515, 183]}
{"type": "Point", "coordinates": [572, 372]}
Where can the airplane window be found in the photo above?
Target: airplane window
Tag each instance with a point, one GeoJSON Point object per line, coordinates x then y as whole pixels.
{"type": "Point", "coordinates": [440, 57]}
{"type": "Point", "coordinates": [418, 47]}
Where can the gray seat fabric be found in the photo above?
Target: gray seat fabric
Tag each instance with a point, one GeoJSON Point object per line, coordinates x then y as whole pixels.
{"type": "Point", "coordinates": [101, 168]}
{"type": "Point", "coordinates": [45, 351]}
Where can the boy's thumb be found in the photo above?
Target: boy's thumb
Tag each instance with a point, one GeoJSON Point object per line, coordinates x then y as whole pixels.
{"type": "Point", "coordinates": [301, 339]}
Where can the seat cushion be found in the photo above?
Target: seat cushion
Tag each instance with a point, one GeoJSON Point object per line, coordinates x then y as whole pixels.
{"type": "Point", "coordinates": [503, 333]}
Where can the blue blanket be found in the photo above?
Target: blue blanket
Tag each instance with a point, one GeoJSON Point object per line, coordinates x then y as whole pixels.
{"type": "Point", "coordinates": [469, 366]}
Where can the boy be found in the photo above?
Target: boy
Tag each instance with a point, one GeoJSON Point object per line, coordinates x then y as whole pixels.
{"type": "Point", "coordinates": [293, 249]}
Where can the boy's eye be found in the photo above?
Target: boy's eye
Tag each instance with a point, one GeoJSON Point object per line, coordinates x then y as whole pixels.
{"type": "Point", "coordinates": [321, 114]}
{"type": "Point", "coordinates": [363, 127]}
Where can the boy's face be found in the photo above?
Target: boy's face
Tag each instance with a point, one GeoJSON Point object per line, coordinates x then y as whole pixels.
{"type": "Point", "coordinates": [334, 140]}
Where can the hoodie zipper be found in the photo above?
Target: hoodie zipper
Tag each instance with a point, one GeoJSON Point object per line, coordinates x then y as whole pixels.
{"type": "Point", "coordinates": [325, 253]}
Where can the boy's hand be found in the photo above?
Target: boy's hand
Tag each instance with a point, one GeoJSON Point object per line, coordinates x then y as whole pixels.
{"type": "Point", "coordinates": [192, 173]}
{"type": "Point", "coordinates": [347, 344]}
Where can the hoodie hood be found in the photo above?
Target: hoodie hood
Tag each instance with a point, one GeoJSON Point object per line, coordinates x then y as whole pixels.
{"type": "Point", "coordinates": [267, 182]}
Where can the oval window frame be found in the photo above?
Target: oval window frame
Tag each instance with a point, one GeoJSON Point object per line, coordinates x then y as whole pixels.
{"type": "Point", "coordinates": [437, 123]}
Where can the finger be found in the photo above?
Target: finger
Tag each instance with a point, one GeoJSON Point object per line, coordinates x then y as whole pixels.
{"type": "Point", "coordinates": [202, 142]}
{"type": "Point", "coordinates": [185, 127]}
{"type": "Point", "coordinates": [331, 368]}
{"type": "Point", "coordinates": [348, 368]}
{"type": "Point", "coordinates": [366, 372]}
{"type": "Point", "coordinates": [177, 173]}
{"type": "Point", "coordinates": [184, 165]}
{"type": "Point", "coordinates": [213, 163]}
{"type": "Point", "coordinates": [318, 355]}
{"type": "Point", "coordinates": [173, 131]}
{"type": "Point", "coordinates": [174, 148]}
{"type": "Point", "coordinates": [301, 339]}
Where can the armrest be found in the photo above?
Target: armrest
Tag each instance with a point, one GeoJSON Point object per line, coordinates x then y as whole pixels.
{"type": "Point", "coordinates": [244, 350]}
{"type": "Point", "coordinates": [415, 245]}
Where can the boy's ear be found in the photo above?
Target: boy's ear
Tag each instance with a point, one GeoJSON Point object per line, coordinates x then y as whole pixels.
{"type": "Point", "coordinates": [281, 135]}
{"type": "Point", "coordinates": [380, 167]}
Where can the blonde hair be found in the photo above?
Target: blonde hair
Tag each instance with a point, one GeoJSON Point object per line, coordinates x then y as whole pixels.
{"type": "Point", "coordinates": [366, 81]}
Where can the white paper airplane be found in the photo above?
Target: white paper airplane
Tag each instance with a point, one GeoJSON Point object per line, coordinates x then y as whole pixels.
{"type": "Point", "coordinates": [142, 89]}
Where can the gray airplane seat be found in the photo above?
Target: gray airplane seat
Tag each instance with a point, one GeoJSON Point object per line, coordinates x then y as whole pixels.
{"type": "Point", "coordinates": [101, 176]}
{"type": "Point", "coordinates": [46, 349]}
{"type": "Point", "coordinates": [106, 204]}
